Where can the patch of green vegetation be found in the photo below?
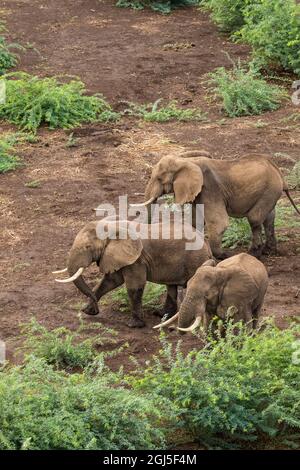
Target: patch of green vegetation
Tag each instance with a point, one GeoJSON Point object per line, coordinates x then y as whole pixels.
{"type": "Point", "coordinates": [151, 297]}
{"type": "Point", "coordinates": [244, 92]}
{"type": "Point", "coordinates": [64, 348]}
{"type": "Point", "coordinates": [8, 59]}
{"type": "Point", "coordinates": [8, 160]}
{"type": "Point", "coordinates": [33, 184]}
{"type": "Point", "coordinates": [228, 14]}
{"type": "Point", "coordinates": [293, 178]}
{"type": "Point", "coordinates": [33, 101]}
{"type": "Point", "coordinates": [162, 6]}
{"type": "Point", "coordinates": [72, 141]}
{"type": "Point", "coordinates": [153, 113]}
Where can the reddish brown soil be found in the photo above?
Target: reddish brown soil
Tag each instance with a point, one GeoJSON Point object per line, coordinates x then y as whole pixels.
{"type": "Point", "coordinates": [118, 52]}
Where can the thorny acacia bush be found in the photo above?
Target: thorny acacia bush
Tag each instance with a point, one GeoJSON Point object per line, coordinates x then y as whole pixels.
{"type": "Point", "coordinates": [244, 92]}
{"type": "Point", "coordinates": [244, 387]}
{"type": "Point", "coordinates": [33, 101]}
{"type": "Point", "coordinates": [43, 408]}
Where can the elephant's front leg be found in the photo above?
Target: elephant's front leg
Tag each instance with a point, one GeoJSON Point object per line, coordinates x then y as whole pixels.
{"type": "Point", "coordinates": [135, 277]}
{"type": "Point", "coordinates": [215, 230]}
{"type": "Point", "coordinates": [170, 305]}
{"type": "Point", "coordinates": [269, 226]}
{"type": "Point", "coordinates": [107, 284]}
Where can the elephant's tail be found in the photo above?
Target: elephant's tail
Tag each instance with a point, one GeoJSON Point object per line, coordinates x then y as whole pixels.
{"type": "Point", "coordinates": [285, 189]}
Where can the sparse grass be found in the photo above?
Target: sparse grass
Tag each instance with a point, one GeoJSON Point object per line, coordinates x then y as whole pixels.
{"type": "Point", "coordinates": [243, 91]}
{"type": "Point", "coordinates": [72, 141]}
{"type": "Point", "coordinates": [64, 348]}
{"type": "Point", "coordinates": [151, 298]}
{"type": "Point", "coordinates": [33, 101]}
{"type": "Point", "coordinates": [33, 184]}
{"type": "Point", "coordinates": [293, 178]}
{"type": "Point", "coordinates": [8, 159]}
{"type": "Point", "coordinates": [153, 113]}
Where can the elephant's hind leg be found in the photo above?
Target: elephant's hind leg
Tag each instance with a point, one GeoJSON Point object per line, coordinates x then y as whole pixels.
{"type": "Point", "coordinates": [270, 246]}
{"type": "Point", "coordinates": [107, 284]}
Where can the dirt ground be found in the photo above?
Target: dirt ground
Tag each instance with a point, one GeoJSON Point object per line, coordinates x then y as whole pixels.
{"type": "Point", "coordinates": [120, 53]}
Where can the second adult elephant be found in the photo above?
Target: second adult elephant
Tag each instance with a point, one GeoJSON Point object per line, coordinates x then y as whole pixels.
{"type": "Point", "coordinates": [133, 254]}
{"type": "Point", "coordinates": [249, 187]}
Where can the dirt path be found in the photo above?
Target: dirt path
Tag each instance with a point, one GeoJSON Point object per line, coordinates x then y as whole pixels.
{"type": "Point", "coordinates": [120, 53]}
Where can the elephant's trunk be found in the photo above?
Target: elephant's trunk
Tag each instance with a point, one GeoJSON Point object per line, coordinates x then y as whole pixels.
{"type": "Point", "coordinates": [189, 310]}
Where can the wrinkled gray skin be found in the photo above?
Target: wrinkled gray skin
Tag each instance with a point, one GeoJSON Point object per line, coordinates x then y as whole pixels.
{"type": "Point", "coordinates": [249, 187]}
{"type": "Point", "coordinates": [240, 281]}
{"type": "Point", "coordinates": [134, 262]}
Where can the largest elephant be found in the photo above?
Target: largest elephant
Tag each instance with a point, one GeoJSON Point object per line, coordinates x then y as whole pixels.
{"type": "Point", "coordinates": [249, 187]}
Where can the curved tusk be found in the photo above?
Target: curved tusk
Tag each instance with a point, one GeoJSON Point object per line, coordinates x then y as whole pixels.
{"type": "Point", "coordinates": [60, 272]}
{"type": "Point", "coordinates": [143, 203]}
{"type": "Point", "coordinates": [167, 322]}
{"type": "Point", "coordinates": [195, 325]}
{"type": "Point", "coordinates": [73, 278]}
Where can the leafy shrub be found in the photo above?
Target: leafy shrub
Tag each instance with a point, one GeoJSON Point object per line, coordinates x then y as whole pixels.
{"type": "Point", "coordinates": [272, 28]}
{"type": "Point", "coordinates": [8, 160]}
{"type": "Point", "coordinates": [42, 408]}
{"type": "Point", "coordinates": [65, 348]}
{"type": "Point", "coordinates": [161, 6]}
{"type": "Point", "coordinates": [244, 92]}
{"type": "Point", "coordinates": [8, 59]}
{"type": "Point", "coordinates": [244, 387]}
{"type": "Point", "coordinates": [152, 112]}
{"type": "Point", "coordinates": [151, 297]}
{"type": "Point", "coordinates": [228, 14]}
{"type": "Point", "coordinates": [32, 101]}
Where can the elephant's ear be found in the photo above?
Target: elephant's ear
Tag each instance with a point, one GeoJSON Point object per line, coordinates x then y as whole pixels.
{"type": "Point", "coordinates": [120, 253]}
{"type": "Point", "coordinates": [187, 183]}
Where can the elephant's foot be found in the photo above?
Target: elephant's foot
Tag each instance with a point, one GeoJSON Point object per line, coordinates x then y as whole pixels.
{"type": "Point", "coordinates": [256, 251]}
{"type": "Point", "coordinates": [91, 309]}
{"type": "Point", "coordinates": [269, 249]}
{"type": "Point", "coordinates": [136, 322]}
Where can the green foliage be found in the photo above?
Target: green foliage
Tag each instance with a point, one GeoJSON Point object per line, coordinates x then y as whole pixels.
{"type": "Point", "coordinates": [8, 160]}
{"type": "Point", "coordinates": [32, 101]}
{"type": "Point", "coordinates": [64, 348]}
{"type": "Point", "coordinates": [151, 297]}
{"type": "Point", "coordinates": [272, 28]}
{"type": "Point", "coordinates": [161, 6]}
{"type": "Point", "coordinates": [8, 59]}
{"type": "Point", "coordinates": [237, 234]}
{"type": "Point", "coordinates": [243, 91]}
{"type": "Point", "coordinates": [244, 387]}
{"type": "Point", "coordinates": [152, 112]}
{"type": "Point", "coordinates": [42, 408]}
{"type": "Point", "coordinates": [228, 14]}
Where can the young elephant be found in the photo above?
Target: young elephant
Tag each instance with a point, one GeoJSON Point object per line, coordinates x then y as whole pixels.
{"type": "Point", "coordinates": [239, 282]}
{"type": "Point", "coordinates": [134, 261]}
{"type": "Point", "coordinates": [249, 187]}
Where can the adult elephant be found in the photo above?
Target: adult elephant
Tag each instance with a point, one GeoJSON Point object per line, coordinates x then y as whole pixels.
{"type": "Point", "coordinates": [249, 187]}
{"type": "Point", "coordinates": [133, 254]}
{"type": "Point", "coordinates": [239, 282]}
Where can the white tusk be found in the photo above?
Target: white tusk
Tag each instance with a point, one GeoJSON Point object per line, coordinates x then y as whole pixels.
{"type": "Point", "coordinates": [143, 203]}
{"type": "Point", "coordinates": [195, 325]}
{"type": "Point", "coordinates": [61, 271]}
{"type": "Point", "coordinates": [167, 322]}
{"type": "Point", "coordinates": [73, 278]}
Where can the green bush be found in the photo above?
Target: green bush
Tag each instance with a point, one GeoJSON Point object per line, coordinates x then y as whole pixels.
{"type": "Point", "coordinates": [151, 297]}
{"type": "Point", "coordinates": [32, 101]}
{"type": "Point", "coordinates": [8, 59]}
{"type": "Point", "coordinates": [161, 6]}
{"type": "Point", "coordinates": [228, 14]}
{"type": "Point", "coordinates": [239, 389]}
{"type": "Point", "coordinates": [8, 160]}
{"type": "Point", "coordinates": [64, 348]}
{"type": "Point", "coordinates": [244, 92]}
{"type": "Point", "coordinates": [153, 113]}
{"type": "Point", "coordinates": [272, 28]}
{"type": "Point", "coordinates": [42, 408]}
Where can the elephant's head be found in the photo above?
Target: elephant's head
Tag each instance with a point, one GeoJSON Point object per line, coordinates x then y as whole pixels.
{"type": "Point", "coordinates": [175, 174]}
{"type": "Point", "coordinates": [212, 291]}
{"type": "Point", "coordinates": [106, 243]}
